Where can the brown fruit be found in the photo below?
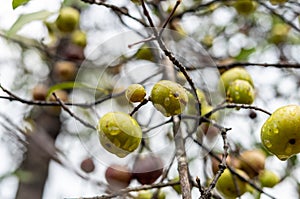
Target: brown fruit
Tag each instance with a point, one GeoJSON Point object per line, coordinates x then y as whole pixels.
{"type": "Point", "coordinates": [118, 176]}
{"type": "Point", "coordinates": [65, 70]}
{"type": "Point", "coordinates": [147, 169]}
{"type": "Point", "coordinates": [39, 92]}
{"type": "Point", "coordinates": [87, 165]}
{"type": "Point", "coordinates": [230, 161]}
{"type": "Point", "coordinates": [252, 162]}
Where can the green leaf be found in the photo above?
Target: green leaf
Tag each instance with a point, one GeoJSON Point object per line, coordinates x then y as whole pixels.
{"type": "Point", "coordinates": [244, 54]}
{"type": "Point", "coordinates": [17, 3]}
{"type": "Point", "coordinates": [25, 19]}
{"type": "Point", "coordinates": [72, 85]}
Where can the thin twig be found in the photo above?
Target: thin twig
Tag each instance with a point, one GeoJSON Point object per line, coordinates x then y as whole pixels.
{"type": "Point", "coordinates": [133, 189]}
{"type": "Point", "coordinates": [73, 115]}
{"type": "Point", "coordinates": [183, 169]}
{"type": "Point", "coordinates": [115, 9]}
{"type": "Point", "coordinates": [144, 102]}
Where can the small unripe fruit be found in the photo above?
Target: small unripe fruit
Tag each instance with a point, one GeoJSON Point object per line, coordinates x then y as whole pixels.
{"type": "Point", "coordinates": [145, 53]}
{"type": "Point", "coordinates": [87, 165]}
{"type": "Point", "coordinates": [192, 102]}
{"type": "Point", "coordinates": [78, 37]}
{"type": "Point", "coordinates": [65, 70]}
{"type": "Point", "coordinates": [268, 178]}
{"type": "Point", "coordinates": [147, 169]}
{"type": "Point", "coordinates": [245, 7]}
{"type": "Point", "coordinates": [169, 97]}
{"type": "Point", "coordinates": [119, 133]}
{"type": "Point", "coordinates": [144, 194]}
{"type": "Point", "coordinates": [39, 92]}
{"type": "Point", "coordinates": [279, 33]}
{"type": "Point", "coordinates": [118, 176]}
{"type": "Point", "coordinates": [67, 19]}
{"type": "Point", "coordinates": [280, 133]}
{"type": "Point", "coordinates": [275, 2]}
{"type": "Point", "coordinates": [240, 92]}
{"type": "Point", "coordinates": [135, 93]}
{"type": "Point", "coordinates": [234, 74]}
{"type": "Point", "coordinates": [230, 187]}
{"type": "Point", "coordinates": [252, 162]}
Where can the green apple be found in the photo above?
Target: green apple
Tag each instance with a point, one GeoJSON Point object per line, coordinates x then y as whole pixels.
{"type": "Point", "coordinates": [268, 178]}
{"type": "Point", "coordinates": [119, 133]}
{"type": "Point", "coordinates": [275, 2]}
{"type": "Point", "coordinates": [240, 92]}
{"type": "Point", "coordinates": [231, 186]}
{"type": "Point", "coordinates": [280, 134]}
{"type": "Point", "coordinates": [245, 7]}
{"type": "Point", "coordinates": [145, 53]}
{"type": "Point", "coordinates": [78, 37]}
{"type": "Point", "coordinates": [135, 93]}
{"type": "Point", "coordinates": [169, 98]}
{"type": "Point", "coordinates": [279, 33]}
{"type": "Point", "coordinates": [67, 19]}
{"type": "Point", "coordinates": [252, 162]}
{"type": "Point", "coordinates": [192, 103]}
{"type": "Point", "coordinates": [234, 74]}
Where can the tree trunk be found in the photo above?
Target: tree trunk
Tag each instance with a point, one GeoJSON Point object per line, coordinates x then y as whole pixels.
{"type": "Point", "coordinates": [36, 161]}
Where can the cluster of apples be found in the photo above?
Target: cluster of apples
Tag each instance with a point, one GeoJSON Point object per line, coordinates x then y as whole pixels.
{"type": "Point", "coordinates": [238, 86]}
{"type": "Point", "coordinates": [249, 164]}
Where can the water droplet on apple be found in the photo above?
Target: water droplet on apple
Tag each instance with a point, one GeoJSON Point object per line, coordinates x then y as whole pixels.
{"type": "Point", "coordinates": [167, 101]}
{"type": "Point", "coordinates": [268, 143]}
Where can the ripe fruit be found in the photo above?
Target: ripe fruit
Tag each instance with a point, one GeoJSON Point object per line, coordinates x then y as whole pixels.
{"type": "Point", "coordinates": [280, 133]}
{"type": "Point", "coordinates": [135, 93]}
{"type": "Point", "coordinates": [268, 178]}
{"type": "Point", "coordinates": [234, 74]}
{"type": "Point", "coordinates": [252, 162]}
{"type": "Point", "coordinates": [119, 133]}
{"type": "Point", "coordinates": [228, 183]}
{"type": "Point", "coordinates": [67, 19]}
{"type": "Point", "coordinates": [39, 92]}
{"type": "Point", "coordinates": [240, 92]}
{"type": "Point", "coordinates": [118, 176]}
{"type": "Point", "coordinates": [208, 130]}
{"type": "Point", "coordinates": [87, 165]}
{"type": "Point", "coordinates": [65, 70]}
{"type": "Point", "coordinates": [230, 160]}
{"type": "Point", "coordinates": [177, 188]}
{"type": "Point", "coordinates": [169, 97]}
{"type": "Point", "coordinates": [245, 7]}
{"type": "Point", "coordinates": [78, 37]}
{"type": "Point", "coordinates": [147, 169]}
